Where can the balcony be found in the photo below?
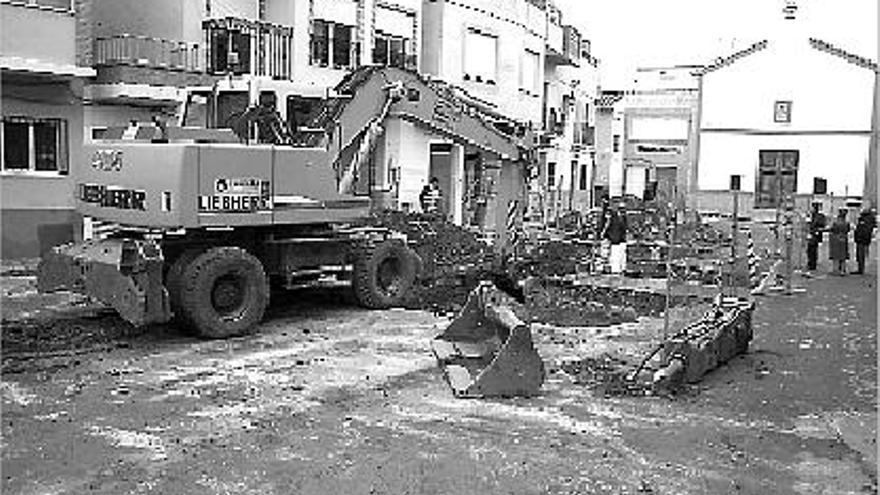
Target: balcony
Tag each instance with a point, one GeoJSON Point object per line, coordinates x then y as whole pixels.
{"type": "Point", "coordinates": [571, 44]}
{"type": "Point", "coordinates": [126, 49]}
{"type": "Point", "coordinates": [584, 135]}
{"type": "Point", "coordinates": [141, 60]}
{"type": "Point", "coordinates": [241, 46]}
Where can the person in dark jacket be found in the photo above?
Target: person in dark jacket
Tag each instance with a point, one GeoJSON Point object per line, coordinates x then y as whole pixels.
{"type": "Point", "coordinates": [615, 233]}
{"type": "Point", "coordinates": [863, 235]}
{"type": "Point", "coordinates": [838, 249]}
{"type": "Point", "coordinates": [814, 237]}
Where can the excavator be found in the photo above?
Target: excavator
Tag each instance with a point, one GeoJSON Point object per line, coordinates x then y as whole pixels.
{"type": "Point", "coordinates": [258, 186]}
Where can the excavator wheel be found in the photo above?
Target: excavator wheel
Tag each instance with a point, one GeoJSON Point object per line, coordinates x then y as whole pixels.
{"type": "Point", "coordinates": [223, 292]}
{"type": "Point", "coordinates": [384, 273]}
{"type": "Point", "coordinates": [174, 282]}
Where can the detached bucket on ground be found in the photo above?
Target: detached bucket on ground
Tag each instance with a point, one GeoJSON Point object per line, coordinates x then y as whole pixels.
{"type": "Point", "coordinates": [487, 351]}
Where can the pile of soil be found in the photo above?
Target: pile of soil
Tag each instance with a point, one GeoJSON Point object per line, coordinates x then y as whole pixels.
{"type": "Point", "coordinates": [454, 259]}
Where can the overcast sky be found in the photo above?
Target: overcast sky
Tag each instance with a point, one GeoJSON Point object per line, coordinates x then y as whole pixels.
{"type": "Point", "coordinates": [638, 33]}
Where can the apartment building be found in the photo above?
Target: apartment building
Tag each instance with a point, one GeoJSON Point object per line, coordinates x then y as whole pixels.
{"type": "Point", "coordinates": [646, 135]}
{"type": "Point", "coordinates": [41, 126]}
{"type": "Point", "coordinates": [660, 123]}
{"type": "Point", "coordinates": [145, 53]}
{"type": "Point", "coordinates": [607, 179]}
{"type": "Point", "coordinates": [567, 152]}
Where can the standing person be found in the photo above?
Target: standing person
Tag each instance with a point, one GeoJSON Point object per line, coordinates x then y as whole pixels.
{"type": "Point", "coordinates": [863, 235]}
{"type": "Point", "coordinates": [431, 197]}
{"type": "Point", "coordinates": [814, 237]}
{"type": "Point", "coordinates": [615, 233]}
{"type": "Point", "coordinates": [839, 248]}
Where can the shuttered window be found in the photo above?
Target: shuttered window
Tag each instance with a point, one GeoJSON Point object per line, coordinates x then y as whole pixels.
{"type": "Point", "coordinates": [480, 57]}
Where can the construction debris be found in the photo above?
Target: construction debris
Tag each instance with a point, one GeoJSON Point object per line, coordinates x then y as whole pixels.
{"type": "Point", "coordinates": [721, 334]}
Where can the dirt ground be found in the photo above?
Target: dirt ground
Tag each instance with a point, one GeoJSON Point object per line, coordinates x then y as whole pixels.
{"type": "Point", "coordinates": [329, 398]}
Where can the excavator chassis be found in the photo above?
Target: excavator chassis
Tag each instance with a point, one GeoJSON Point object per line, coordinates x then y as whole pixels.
{"type": "Point", "coordinates": [125, 274]}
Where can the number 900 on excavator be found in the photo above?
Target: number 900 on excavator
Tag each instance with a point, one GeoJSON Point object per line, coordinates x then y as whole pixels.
{"type": "Point", "coordinates": [242, 195]}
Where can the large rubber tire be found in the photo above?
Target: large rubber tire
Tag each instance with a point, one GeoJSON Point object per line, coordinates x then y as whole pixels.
{"type": "Point", "coordinates": [174, 284]}
{"type": "Point", "coordinates": [384, 273]}
{"type": "Point", "coordinates": [224, 292]}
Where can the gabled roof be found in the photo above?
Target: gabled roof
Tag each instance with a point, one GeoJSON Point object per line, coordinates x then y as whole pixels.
{"type": "Point", "coordinates": [725, 61]}
{"type": "Point", "coordinates": [824, 46]}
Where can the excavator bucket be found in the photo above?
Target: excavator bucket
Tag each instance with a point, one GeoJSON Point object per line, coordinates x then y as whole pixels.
{"type": "Point", "coordinates": [123, 273]}
{"type": "Point", "coordinates": [487, 351]}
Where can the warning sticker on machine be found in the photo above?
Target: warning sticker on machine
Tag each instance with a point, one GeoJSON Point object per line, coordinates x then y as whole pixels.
{"type": "Point", "coordinates": [238, 195]}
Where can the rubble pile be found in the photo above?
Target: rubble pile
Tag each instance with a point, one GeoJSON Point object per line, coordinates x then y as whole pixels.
{"type": "Point", "coordinates": [566, 302]}
{"type": "Point", "coordinates": [549, 304]}
{"type": "Point", "coordinates": [453, 259]}
{"type": "Point", "coordinates": [554, 258]}
{"type": "Point", "coordinates": [443, 246]}
{"type": "Point", "coordinates": [605, 375]}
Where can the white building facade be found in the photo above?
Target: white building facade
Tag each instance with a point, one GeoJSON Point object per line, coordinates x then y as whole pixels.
{"type": "Point", "coordinates": [782, 113]}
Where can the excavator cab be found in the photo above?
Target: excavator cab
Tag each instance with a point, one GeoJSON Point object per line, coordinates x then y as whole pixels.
{"type": "Point", "coordinates": [264, 112]}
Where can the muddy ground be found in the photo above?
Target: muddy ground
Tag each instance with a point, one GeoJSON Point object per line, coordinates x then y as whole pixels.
{"type": "Point", "coordinates": [329, 398]}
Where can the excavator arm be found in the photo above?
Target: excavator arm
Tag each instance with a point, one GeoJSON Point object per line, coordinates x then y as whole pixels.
{"type": "Point", "coordinates": [372, 95]}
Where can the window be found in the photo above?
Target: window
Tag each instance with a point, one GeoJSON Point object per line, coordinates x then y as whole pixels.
{"type": "Point", "coordinates": [777, 177]}
{"type": "Point", "coordinates": [320, 43]}
{"type": "Point", "coordinates": [480, 51]}
{"type": "Point", "coordinates": [615, 143]}
{"type": "Point", "coordinates": [551, 174]}
{"type": "Point", "coordinates": [530, 76]}
{"type": "Point", "coordinates": [34, 145]}
{"type": "Point", "coordinates": [582, 178]}
{"type": "Point", "coordinates": [230, 52]}
{"type": "Point", "coordinates": [393, 51]}
{"type": "Point", "coordinates": [196, 110]}
{"type": "Point", "coordinates": [341, 45]}
{"type": "Point", "coordinates": [332, 45]}
{"type": "Point", "coordinates": [782, 111]}
{"type": "Point", "coordinates": [230, 104]}
{"type": "Point", "coordinates": [300, 111]}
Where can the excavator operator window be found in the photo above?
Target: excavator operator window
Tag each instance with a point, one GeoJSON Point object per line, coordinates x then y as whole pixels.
{"type": "Point", "coordinates": [197, 110]}
{"type": "Point", "coordinates": [230, 104]}
{"type": "Point", "coordinates": [300, 111]}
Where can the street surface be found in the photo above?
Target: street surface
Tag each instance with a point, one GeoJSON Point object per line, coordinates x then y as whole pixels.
{"type": "Point", "coordinates": [328, 398]}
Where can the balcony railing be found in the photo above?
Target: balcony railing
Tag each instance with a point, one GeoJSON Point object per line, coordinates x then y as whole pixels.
{"type": "Point", "coordinates": [242, 46]}
{"type": "Point", "coordinates": [149, 52]}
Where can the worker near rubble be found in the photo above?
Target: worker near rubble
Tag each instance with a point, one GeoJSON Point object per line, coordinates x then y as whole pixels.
{"type": "Point", "coordinates": [431, 197]}
{"type": "Point", "coordinates": [615, 233]}
{"type": "Point", "coordinates": [814, 236]}
{"type": "Point", "coordinates": [863, 235]}
{"type": "Point", "coordinates": [838, 249]}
